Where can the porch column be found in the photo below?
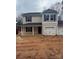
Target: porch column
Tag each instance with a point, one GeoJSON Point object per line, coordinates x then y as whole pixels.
{"type": "Point", "coordinates": [32, 30]}
{"type": "Point", "coordinates": [21, 30]}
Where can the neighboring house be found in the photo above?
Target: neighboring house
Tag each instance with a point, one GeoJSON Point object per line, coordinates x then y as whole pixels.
{"type": "Point", "coordinates": [45, 23]}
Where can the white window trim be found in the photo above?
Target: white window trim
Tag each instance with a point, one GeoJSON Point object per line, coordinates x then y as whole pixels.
{"type": "Point", "coordinates": [50, 17]}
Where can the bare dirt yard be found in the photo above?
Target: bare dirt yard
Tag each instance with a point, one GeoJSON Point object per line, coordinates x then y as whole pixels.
{"type": "Point", "coordinates": [39, 47]}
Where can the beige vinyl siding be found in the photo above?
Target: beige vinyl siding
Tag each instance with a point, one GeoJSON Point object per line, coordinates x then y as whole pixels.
{"type": "Point", "coordinates": [36, 19]}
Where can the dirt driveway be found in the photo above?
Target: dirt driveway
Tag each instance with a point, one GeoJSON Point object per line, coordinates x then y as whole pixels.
{"type": "Point", "coordinates": [39, 47]}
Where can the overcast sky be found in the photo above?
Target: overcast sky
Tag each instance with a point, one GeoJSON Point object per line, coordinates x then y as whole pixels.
{"type": "Point", "coordinates": [33, 5]}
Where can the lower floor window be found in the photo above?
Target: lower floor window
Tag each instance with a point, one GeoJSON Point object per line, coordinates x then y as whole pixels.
{"type": "Point", "coordinates": [28, 29]}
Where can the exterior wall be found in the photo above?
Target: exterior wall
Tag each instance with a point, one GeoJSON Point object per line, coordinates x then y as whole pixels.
{"type": "Point", "coordinates": [24, 20]}
{"type": "Point", "coordinates": [24, 33]}
{"type": "Point", "coordinates": [60, 31]}
{"type": "Point", "coordinates": [35, 19]}
{"type": "Point", "coordinates": [49, 28]}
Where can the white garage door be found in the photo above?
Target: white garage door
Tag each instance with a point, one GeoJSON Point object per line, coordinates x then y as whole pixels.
{"type": "Point", "coordinates": [50, 31]}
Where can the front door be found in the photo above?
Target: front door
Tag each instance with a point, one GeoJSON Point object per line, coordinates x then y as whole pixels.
{"type": "Point", "coordinates": [39, 30]}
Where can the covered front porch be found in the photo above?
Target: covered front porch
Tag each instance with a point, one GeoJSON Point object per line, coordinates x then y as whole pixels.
{"type": "Point", "coordinates": [31, 29]}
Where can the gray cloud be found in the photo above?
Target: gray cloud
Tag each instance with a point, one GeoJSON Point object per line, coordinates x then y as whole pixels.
{"type": "Point", "coordinates": [32, 5]}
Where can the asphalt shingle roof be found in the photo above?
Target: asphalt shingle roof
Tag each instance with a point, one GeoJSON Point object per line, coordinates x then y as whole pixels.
{"type": "Point", "coordinates": [39, 13]}
{"type": "Point", "coordinates": [32, 14]}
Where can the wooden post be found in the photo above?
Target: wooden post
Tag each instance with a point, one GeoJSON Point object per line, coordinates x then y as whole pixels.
{"type": "Point", "coordinates": [32, 30]}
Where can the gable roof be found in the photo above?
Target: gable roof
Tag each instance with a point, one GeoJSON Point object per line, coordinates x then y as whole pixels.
{"type": "Point", "coordinates": [50, 11]}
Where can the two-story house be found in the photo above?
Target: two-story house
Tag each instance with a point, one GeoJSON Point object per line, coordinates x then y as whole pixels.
{"type": "Point", "coordinates": [45, 23]}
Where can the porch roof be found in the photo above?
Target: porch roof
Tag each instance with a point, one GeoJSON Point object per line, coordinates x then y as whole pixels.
{"type": "Point", "coordinates": [32, 24]}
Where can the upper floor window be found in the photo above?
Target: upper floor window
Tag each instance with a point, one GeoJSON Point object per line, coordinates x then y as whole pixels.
{"type": "Point", "coordinates": [53, 17]}
{"type": "Point", "coordinates": [28, 18]}
{"type": "Point", "coordinates": [46, 17]}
